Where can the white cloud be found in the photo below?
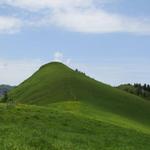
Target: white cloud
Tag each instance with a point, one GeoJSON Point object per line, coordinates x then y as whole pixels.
{"type": "Point", "coordinates": [16, 71]}
{"type": "Point", "coordinates": [81, 16]}
{"type": "Point", "coordinates": [35, 5]}
{"type": "Point", "coordinates": [9, 24]}
{"type": "Point", "coordinates": [59, 57]}
{"type": "Point", "coordinates": [99, 21]}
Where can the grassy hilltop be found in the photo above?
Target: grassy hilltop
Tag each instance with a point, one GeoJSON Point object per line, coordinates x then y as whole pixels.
{"type": "Point", "coordinates": [59, 108]}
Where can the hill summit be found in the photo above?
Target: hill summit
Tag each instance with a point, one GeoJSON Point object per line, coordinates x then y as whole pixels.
{"type": "Point", "coordinates": [51, 83]}
{"type": "Point", "coordinates": [55, 82]}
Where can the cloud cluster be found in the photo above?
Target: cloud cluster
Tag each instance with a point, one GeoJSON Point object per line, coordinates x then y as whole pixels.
{"type": "Point", "coordinates": [35, 5]}
{"type": "Point", "coordinates": [9, 24]}
{"type": "Point", "coordinates": [59, 57]}
{"type": "Point", "coordinates": [80, 16]}
{"type": "Point", "coordinates": [99, 21]}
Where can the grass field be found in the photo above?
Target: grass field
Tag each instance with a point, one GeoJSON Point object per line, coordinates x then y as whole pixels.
{"type": "Point", "coordinates": [69, 126]}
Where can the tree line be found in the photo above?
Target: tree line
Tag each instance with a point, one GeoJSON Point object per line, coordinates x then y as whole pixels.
{"type": "Point", "coordinates": [142, 89]}
{"type": "Point", "coordinates": [8, 100]}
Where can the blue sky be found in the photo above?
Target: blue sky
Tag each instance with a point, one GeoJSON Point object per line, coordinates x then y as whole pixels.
{"type": "Point", "coordinates": [107, 39]}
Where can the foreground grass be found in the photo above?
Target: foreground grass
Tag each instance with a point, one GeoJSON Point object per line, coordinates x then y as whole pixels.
{"type": "Point", "coordinates": [67, 126]}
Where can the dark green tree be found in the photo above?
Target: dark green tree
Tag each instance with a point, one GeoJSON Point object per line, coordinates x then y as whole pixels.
{"type": "Point", "coordinates": [144, 87]}
{"type": "Point", "coordinates": [5, 97]}
{"type": "Point", "coordinates": [148, 88]}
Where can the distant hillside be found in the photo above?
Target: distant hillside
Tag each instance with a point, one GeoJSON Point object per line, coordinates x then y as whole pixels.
{"type": "Point", "coordinates": [5, 88]}
{"type": "Point", "coordinates": [137, 89]}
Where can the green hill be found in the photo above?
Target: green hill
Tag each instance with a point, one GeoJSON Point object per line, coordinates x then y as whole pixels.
{"type": "Point", "coordinates": [55, 82]}
{"type": "Point", "coordinates": [59, 108]}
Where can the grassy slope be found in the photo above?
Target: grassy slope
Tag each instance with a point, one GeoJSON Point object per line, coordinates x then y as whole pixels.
{"type": "Point", "coordinates": [68, 126]}
{"type": "Point", "coordinates": [56, 82]}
